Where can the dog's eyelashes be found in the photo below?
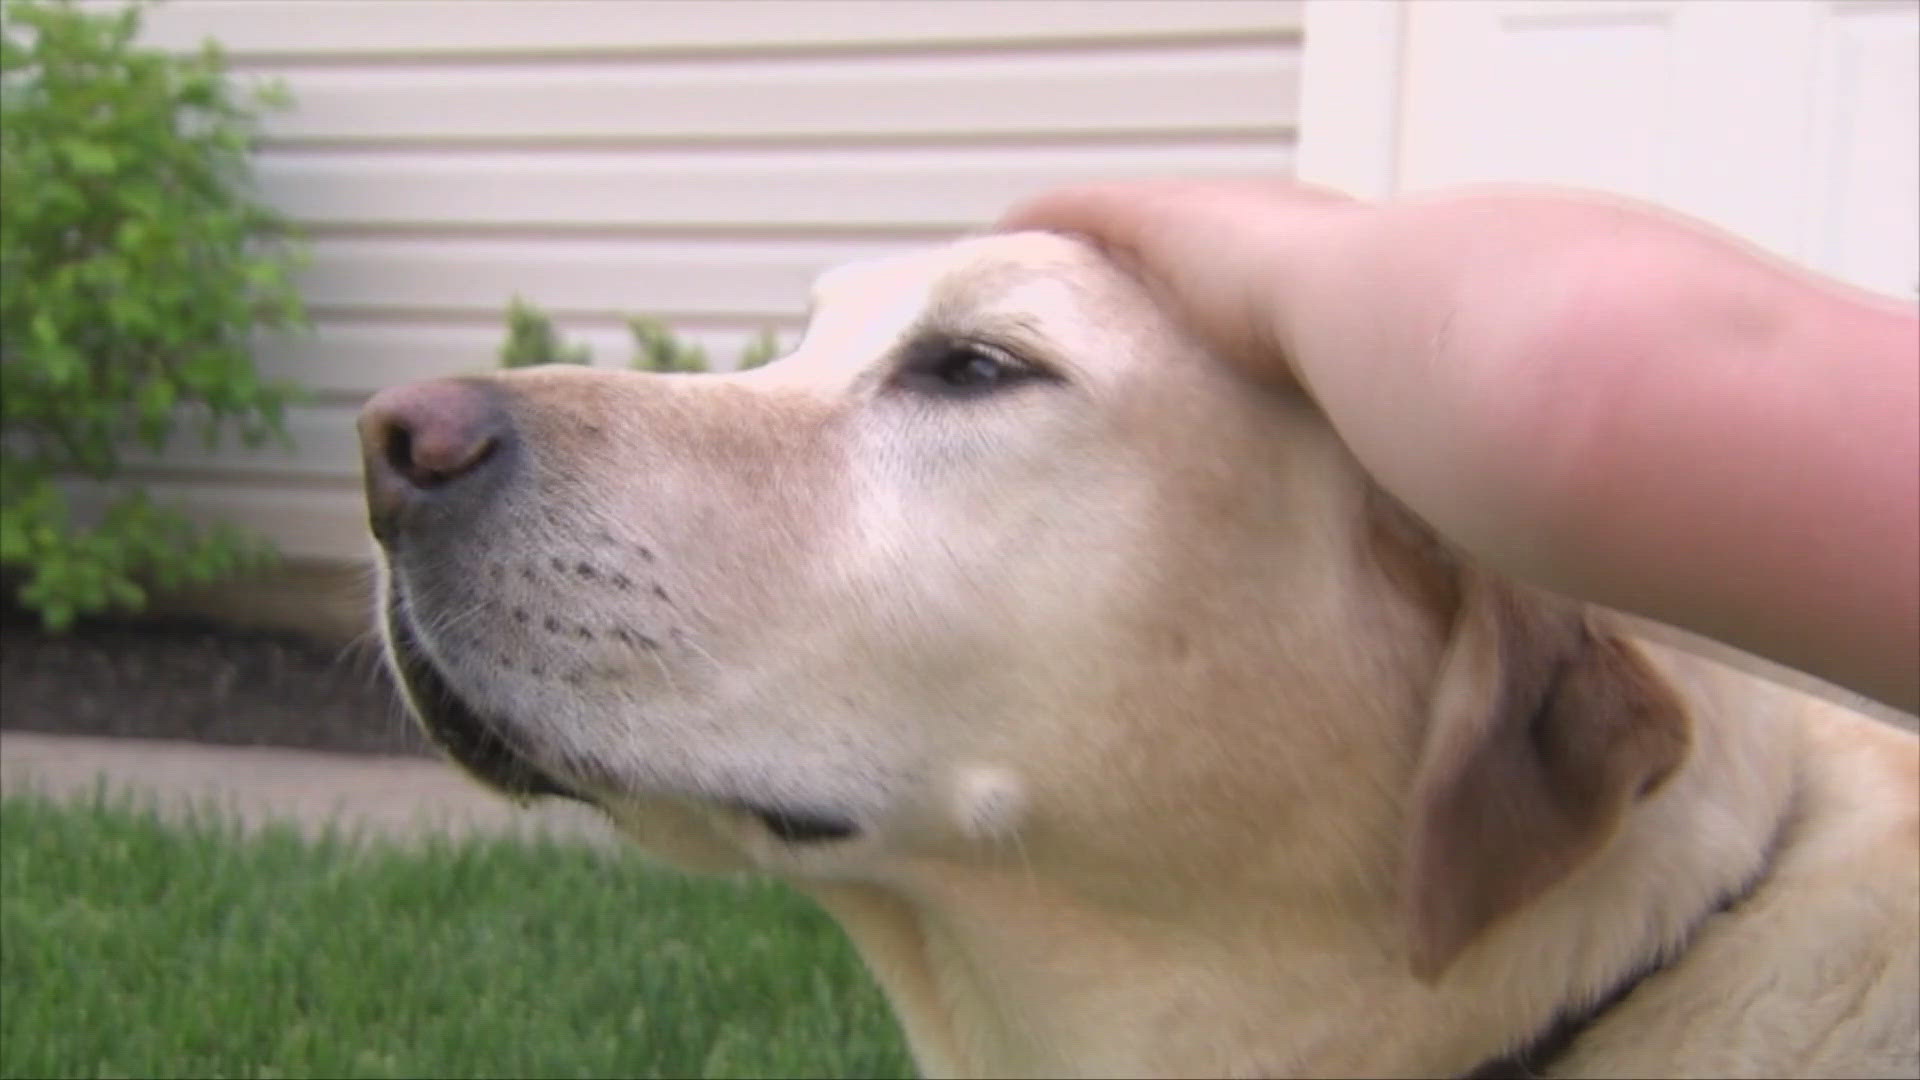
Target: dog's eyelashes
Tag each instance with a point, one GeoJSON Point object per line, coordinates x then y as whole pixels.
{"type": "Point", "coordinates": [962, 369]}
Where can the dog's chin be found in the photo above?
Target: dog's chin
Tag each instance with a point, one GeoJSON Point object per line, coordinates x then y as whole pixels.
{"type": "Point", "coordinates": [480, 748]}
{"type": "Point", "coordinates": [456, 727]}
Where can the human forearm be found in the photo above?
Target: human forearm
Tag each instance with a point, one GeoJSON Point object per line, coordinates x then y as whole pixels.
{"type": "Point", "coordinates": [1635, 410]}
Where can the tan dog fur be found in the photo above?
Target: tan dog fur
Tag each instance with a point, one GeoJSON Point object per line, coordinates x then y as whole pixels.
{"type": "Point", "coordinates": [1174, 748]}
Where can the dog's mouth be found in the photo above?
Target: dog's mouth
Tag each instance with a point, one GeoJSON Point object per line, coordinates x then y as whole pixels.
{"type": "Point", "coordinates": [797, 827]}
{"type": "Point", "coordinates": [454, 726]}
{"type": "Point", "coordinates": [480, 748]}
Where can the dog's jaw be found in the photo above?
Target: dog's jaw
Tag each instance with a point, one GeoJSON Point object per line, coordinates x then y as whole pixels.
{"type": "Point", "coordinates": [468, 738]}
{"type": "Point", "coordinates": [486, 750]}
{"type": "Point", "coordinates": [1009, 970]}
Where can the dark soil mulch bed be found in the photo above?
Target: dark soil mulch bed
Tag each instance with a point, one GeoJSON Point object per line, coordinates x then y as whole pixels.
{"type": "Point", "coordinates": [180, 679]}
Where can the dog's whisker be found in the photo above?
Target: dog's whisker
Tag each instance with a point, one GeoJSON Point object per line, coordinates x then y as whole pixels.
{"type": "Point", "coordinates": [666, 672]}
{"type": "Point", "coordinates": [687, 642]}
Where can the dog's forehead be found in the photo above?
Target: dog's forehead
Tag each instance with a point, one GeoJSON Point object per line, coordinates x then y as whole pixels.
{"type": "Point", "coordinates": [971, 270]}
{"type": "Point", "coordinates": [1038, 284]}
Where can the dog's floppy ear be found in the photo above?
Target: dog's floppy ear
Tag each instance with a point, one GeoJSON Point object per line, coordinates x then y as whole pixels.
{"type": "Point", "coordinates": [1544, 729]}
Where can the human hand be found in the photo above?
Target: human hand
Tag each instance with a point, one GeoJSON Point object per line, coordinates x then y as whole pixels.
{"type": "Point", "coordinates": [1231, 258]}
{"type": "Point", "coordinates": [1595, 395]}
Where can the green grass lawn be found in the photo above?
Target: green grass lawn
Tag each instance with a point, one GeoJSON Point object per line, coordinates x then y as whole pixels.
{"type": "Point", "coordinates": [131, 947]}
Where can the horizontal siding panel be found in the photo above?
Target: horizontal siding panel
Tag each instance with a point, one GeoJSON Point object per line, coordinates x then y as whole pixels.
{"type": "Point", "coordinates": [696, 161]}
{"type": "Point", "coordinates": [303, 521]}
{"type": "Point", "coordinates": [354, 359]}
{"type": "Point", "coordinates": [927, 189]}
{"type": "Point", "coordinates": [1233, 88]}
{"type": "Point", "coordinates": [739, 282]}
{"type": "Point", "coordinates": [324, 447]}
{"type": "Point", "coordinates": [359, 29]}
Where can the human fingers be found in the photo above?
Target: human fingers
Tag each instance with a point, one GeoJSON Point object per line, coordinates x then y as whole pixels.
{"type": "Point", "coordinates": [1218, 253]}
{"type": "Point", "coordinates": [1128, 214]}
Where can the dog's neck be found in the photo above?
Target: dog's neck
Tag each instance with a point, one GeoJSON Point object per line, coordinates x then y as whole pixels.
{"type": "Point", "coordinates": [998, 972]}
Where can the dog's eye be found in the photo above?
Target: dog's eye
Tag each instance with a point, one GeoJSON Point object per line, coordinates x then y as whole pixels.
{"type": "Point", "coordinates": [963, 369]}
{"type": "Point", "coordinates": [970, 367]}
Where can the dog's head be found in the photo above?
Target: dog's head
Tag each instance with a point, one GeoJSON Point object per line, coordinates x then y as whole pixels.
{"type": "Point", "coordinates": [996, 566]}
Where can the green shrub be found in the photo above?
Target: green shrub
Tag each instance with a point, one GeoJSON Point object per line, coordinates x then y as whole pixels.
{"type": "Point", "coordinates": [655, 348]}
{"type": "Point", "coordinates": [135, 272]}
{"type": "Point", "coordinates": [532, 339]}
{"type": "Point", "coordinates": [765, 346]}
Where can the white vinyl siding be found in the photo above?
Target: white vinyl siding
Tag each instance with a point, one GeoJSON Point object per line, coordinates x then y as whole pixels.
{"type": "Point", "coordinates": [698, 161]}
{"type": "Point", "coordinates": [1794, 123]}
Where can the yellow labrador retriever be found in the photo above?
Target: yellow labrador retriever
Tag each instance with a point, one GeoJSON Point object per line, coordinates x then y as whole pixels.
{"type": "Point", "coordinates": [1127, 728]}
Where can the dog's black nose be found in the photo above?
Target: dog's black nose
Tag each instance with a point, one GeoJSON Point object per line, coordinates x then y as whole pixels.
{"type": "Point", "coordinates": [427, 441]}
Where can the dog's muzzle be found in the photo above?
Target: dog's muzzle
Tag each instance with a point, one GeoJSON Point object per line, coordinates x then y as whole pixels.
{"type": "Point", "coordinates": [435, 455]}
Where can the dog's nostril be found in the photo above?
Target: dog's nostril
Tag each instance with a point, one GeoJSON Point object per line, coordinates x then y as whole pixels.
{"type": "Point", "coordinates": [429, 463]}
{"type": "Point", "coordinates": [399, 450]}
{"type": "Point", "coordinates": [427, 469]}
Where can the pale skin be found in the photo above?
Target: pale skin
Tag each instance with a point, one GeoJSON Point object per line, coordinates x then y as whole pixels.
{"type": "Point", "coordinates": [1596, 396]}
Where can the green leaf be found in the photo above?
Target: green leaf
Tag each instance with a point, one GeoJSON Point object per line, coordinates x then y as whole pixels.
{"type": "Point", "coordinates": [126, 594]}
{"type": "Point", "coordinates": [88, 159]}
{"type": "Point", "coordinates": [56, 615]}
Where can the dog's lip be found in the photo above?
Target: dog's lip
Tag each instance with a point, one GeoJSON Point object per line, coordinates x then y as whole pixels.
{"type": "Point", "coordinates": [479, 747]}
{"type": "Point", "coordinates": [455, 726]}
{"type": "Point", "coordinates": [801, 826]}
